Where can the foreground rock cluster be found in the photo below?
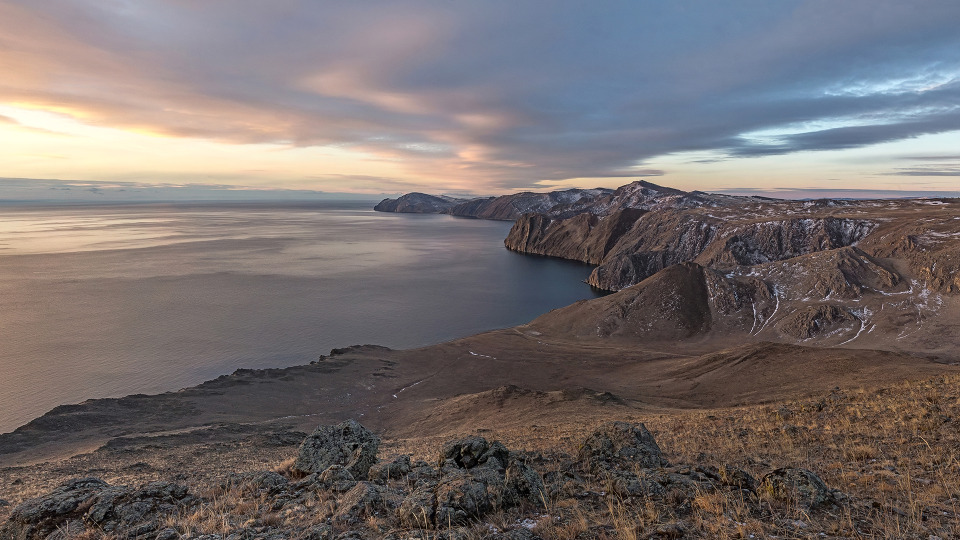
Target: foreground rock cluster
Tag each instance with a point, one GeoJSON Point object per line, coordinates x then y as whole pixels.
{"type": "Point", "coordinates": [338, 487]}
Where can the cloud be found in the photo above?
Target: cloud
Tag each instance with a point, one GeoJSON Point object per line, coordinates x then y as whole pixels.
{"type": "Point", "coordinates": [488, 95]}
{"type": "Point", "coordinates": [834, 193]}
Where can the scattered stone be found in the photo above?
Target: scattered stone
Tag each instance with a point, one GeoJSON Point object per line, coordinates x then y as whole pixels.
{"type": "Point", "coordinates": [348, 444]}
{"type": "Point", "coordinates": [796, 485]}
{"type": "Point", "coordinates": [621, 445]}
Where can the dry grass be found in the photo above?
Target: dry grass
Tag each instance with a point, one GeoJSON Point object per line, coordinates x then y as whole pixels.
{"type": "Point", "coordinates": [893, 452]}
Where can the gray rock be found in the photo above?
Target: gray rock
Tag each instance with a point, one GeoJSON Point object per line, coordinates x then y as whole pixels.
{"type": "Point", "coordinates": [417, 509]}
{"type": "Point", "coordinates": [324, 531]}
{"type": "Point", "coordinates": [366, 499]}
{"type": "Point", "coordinates": [337, 478]}
{"type": "Point", "coordinates": [798, 486]}
{"type": "Point", "coordinates": [348, 444]}
{"type": "Point", "coordinates": [168, 534]}
{"type": "Point", "coordinates": [460, 498]}
{"type": "Point", "coordinates": [258, 482]}
{"type": "Point", "coordinates": [621, 445]}
{"type": "Point", "coordinates": [628, 484]}
{"type": "Point", "coordinates": [37, 518]}
{"type": "Point", "coordinates": [396, 468]}
{"type": "Point", "coordinates": [517, 534]}
{"type": "Point", "coordinates": [523, 484]}
{"type": "Point", "coordinates": [472, 451]}
{"type": "Point", "coordinates": [728, 476]}
{"type": "Point", "coordinates": [93, 503]}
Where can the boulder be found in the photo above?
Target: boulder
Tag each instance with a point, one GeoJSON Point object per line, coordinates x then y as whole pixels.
{"type": "Point", "coordinates": [621, 445]}
{"type": "Point", "coordinates": [37, 518]}
{"type": "Point", "coordinates": [257, 482]}
{"type": "Point", "coordinates": [473, 451]}
{"type": "Point", "coordinates": [396, 468]}
{"type": "Point", "coordinates": [796, 486]}
{"type": "Point", "coordinates": [417, 509]}
{"type": "Point", "coordinates": [348, 444]}
{"type": "Point", "coordinates": [476, 477]}
{"type": "Point", "coordinates": [94, 504]}
{"type": "Point", "coordinates": [366, 499]}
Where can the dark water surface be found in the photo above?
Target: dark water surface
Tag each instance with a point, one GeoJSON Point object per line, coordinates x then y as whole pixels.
{"type": "Point", "coordinates": [100, 301]}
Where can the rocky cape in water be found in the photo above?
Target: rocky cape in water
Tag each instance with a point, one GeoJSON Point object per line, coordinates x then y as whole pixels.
{"type": "Point", "coordinates": [780, 346]}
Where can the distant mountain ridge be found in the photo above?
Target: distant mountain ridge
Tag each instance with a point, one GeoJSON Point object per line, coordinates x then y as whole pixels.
{"type": "Point", "coordinates": [504, 207]}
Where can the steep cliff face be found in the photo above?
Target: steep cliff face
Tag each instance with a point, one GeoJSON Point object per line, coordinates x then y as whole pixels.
{"type": "Point", "coordinates": [418, 203]}
{"type": "Point", "coordinates": [584, 237]}
{"type": "Point", "coordinates": [658, 239]}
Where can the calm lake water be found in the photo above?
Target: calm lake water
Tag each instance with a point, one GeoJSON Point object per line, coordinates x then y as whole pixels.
{"type": "Point", "coordinates": [99, 301]}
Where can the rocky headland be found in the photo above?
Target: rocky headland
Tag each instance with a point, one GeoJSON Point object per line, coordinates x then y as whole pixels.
{"type": "Point", "coordinates": [778, 368]}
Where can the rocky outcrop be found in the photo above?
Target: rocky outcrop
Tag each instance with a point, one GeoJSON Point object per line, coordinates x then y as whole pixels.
{"type": "Point", "coordinates": [814, 320]}
{"type": "Point", "coordinates": [618, 464]}
{"type": "Point", "coordinates": [92, 504]}
{"type": "Point", "coordinates": [621, 445]}
{"type": "Point", "coordinates": [584, 237]}
{"type": "Point", "coordinates": [418, 203]}
{"type": "Point", "coordinates": [348, 444]}
{"type": "Point", "coordinates": [797, 486]}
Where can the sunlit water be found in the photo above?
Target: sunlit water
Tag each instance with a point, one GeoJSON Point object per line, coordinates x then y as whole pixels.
{"type": "Point", "coordinates": [113, 300]}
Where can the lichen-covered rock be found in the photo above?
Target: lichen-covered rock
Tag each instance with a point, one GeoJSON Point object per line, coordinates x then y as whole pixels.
{"type": "Point", "coordinates": [396, 468]}
{"type": "Point", "coordinates": [521, 533]}
{"type": "Point", "coordinates": [366, 499]}
{"type": "Point", "coordinates": [621, 445]}
{"type": "Point", "coordinates": [473, 451]}
{"type": "Point", "coordinates": [257, 482]}
{"type": "Point", "coordinates": [476, 477]}
{"type": "Point", "coordinates": [796, 486]}
{"type": "Point", "coordinates": [348, 444]}
{"type": "Point", "coordinates": [337, 478]}
{"type": "Point", "coordinates": [459, 498]}
{"type": "Point", "coordinates": [92, 503]}
{"type": "Point", "coordinates": [522, 484]}
{"type": "Point", "coordinates": [36, 518]}
{"type": "Point", "coordinates": [417, 509]}
{"type": "Point", "coordinates": [629, 484]}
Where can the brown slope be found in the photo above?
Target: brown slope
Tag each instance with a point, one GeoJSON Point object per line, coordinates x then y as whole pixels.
{"type": "Point", "coordinates": [762, 372]}
{"type": "Point", "coordinates": [671, 305]}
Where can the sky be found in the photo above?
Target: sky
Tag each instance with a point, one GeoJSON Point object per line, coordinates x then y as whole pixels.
{"type": "Point", "coordinates": [481, 97]}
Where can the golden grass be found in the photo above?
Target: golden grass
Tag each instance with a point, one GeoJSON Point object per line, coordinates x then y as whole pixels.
{"type": "Point", "coordinates": [893, 452]}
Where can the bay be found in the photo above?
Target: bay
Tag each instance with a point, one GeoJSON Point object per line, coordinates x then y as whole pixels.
{"type": "Point", "coordinates": [105, 301]}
